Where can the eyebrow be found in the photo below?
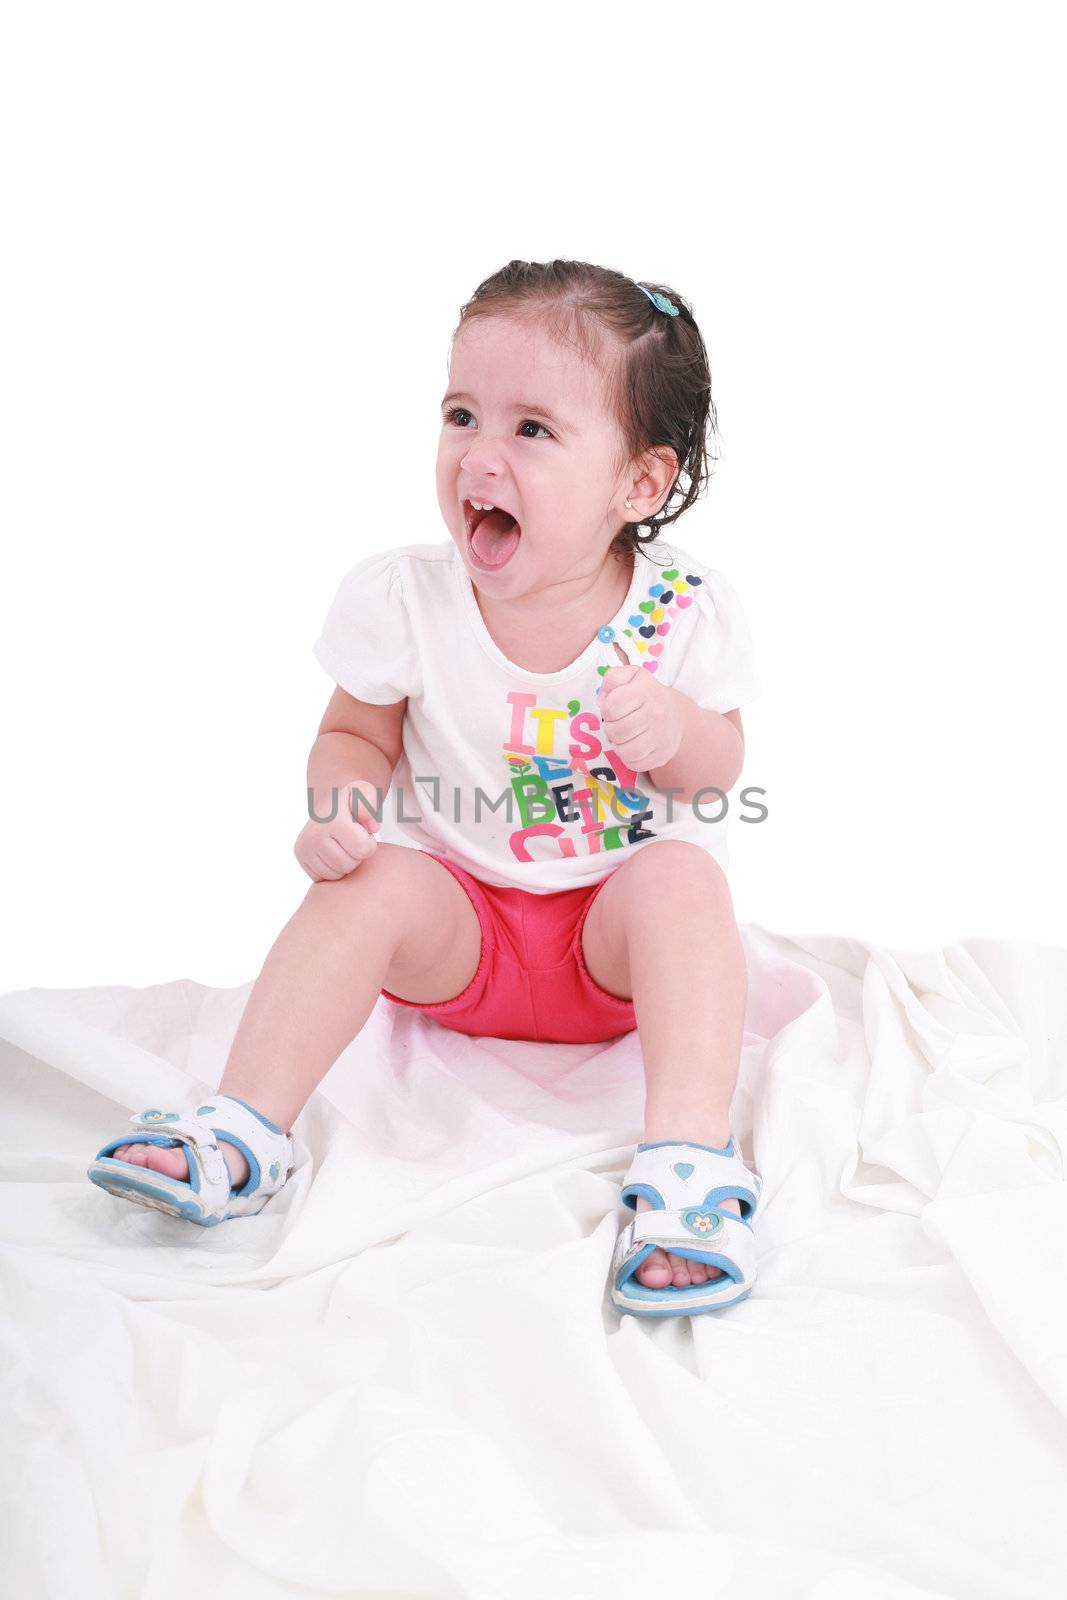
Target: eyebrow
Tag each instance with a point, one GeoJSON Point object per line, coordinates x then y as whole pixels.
{"type": "Point", "coordinates": [524, 406]}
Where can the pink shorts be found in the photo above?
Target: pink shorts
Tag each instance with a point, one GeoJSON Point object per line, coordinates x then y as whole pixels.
{"type": "Point", "coordinates": [532, 981]}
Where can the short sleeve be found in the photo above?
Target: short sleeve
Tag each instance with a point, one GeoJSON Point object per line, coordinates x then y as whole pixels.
{"type": "Point", "coordinates": [367, 640]}
{"type": "Point", "coordinates": [715, 664]}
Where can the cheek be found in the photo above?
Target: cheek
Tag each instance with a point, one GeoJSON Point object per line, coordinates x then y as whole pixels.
{"type": "Point", "coordinates": [557, 480]}
{"type": "Point", "coordinates": [447, 463]}
{"type": "Point", "coordinates": [446, 483]}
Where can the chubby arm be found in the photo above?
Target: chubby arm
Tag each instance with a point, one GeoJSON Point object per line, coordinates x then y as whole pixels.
{"type": "Point", "coordinates": [355, 740]}
{"type": "Point", "coordinates": [710, 755]}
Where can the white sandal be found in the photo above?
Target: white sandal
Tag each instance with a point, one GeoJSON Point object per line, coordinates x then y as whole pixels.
{"type": "Point", "coordinates": [683, 1184]}
{"type": "Point", "coordinates": [206, 1196]}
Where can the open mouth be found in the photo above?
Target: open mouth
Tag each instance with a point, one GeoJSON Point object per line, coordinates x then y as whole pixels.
{"type": "Point", "coordinates": [492, 536]}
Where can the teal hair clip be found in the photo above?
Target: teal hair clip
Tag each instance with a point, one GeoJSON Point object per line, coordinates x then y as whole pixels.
{"type": "Point", "coordinates": [660, 301]}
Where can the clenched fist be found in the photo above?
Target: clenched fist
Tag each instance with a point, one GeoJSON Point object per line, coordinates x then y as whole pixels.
{"type": "Point", "coordinates": [641, 719]}
{"type": "Point", "coordinates": [331, 850]}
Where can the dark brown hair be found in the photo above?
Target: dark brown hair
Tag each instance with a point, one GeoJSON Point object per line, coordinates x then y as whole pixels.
{"type": "Point", "coordinates": [655, 366]}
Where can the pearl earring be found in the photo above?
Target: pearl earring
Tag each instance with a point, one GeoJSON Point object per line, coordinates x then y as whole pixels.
{"type": "Point", "coordinates": [628, 504]}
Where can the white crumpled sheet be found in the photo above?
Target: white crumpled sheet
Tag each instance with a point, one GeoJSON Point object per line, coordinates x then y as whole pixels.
{"type": "Point", "coordinates": [405, 1376]}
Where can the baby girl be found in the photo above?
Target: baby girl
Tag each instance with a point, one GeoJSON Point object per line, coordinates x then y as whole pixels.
{"type": "Point", "coordinates": [552, 696]}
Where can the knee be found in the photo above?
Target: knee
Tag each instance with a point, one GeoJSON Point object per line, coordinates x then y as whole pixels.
{"type": "Point", "coordinates": [677, 857]}
{"type": "Point", "coordinates": [677, 870]}
{"type": "Point", "coordinates": [370, 877]}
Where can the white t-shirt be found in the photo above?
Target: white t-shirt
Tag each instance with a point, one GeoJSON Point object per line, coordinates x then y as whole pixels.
{"type": "Point", "coordinates": [505, 772]}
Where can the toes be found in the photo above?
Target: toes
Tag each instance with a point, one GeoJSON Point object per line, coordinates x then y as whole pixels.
{"type": "Point", "coordinates": [655, 1272]}
{"type": "Point", "coordinates": [702, 1273]}
{"type": "Point", "coordinates": [662, 1269]}
{"type": "Point", "coordinates": [680, 1270]}
{"type": "Point", "coordinates": [665, 1270]}
{"type": "Point", "coordinates": [158, 1158]}
{"type": "Point", "coordinates": [175, 1163]}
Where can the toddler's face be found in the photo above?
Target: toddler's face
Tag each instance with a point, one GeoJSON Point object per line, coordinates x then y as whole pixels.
{"type": "Point", "coordinates": [556, 472]}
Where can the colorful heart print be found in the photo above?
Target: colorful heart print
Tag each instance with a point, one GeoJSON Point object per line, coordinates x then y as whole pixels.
{"type": "Point", "coordinates": [650, 618]}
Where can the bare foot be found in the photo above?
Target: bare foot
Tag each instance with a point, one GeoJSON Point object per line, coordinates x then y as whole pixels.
{"type": "Point", "coordinates": [663, 1267]}
{"type": "Point", "coordinates": [175, 1164]}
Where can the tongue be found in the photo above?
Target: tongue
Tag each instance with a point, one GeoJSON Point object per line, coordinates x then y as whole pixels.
{"type": "Point", "coordinates": [496, 538]}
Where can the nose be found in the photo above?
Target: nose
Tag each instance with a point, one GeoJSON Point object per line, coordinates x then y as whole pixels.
{"type": "Point", "coordinates": [482, 458]}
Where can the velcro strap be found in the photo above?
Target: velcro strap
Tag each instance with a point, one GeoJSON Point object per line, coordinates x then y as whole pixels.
{"type": "Point", "coordinates": [201, 1147]}
{"type": "Point", "coordinates": [228, 1116]}
{"type": "Point", "coordinates": [220, 1116]}
{"type": "Point", "coordinates": [192, 1130]}
{"type": "Point", "coordinates": [703, 1229]}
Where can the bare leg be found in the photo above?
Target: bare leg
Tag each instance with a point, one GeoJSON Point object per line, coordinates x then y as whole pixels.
{"type": "Point", "coordinates": [689, 990]}
{"type": "Point", "coordinates": [399, 921]}
{"type": "Point", "coordinates": [682, 962]}
{"type": "Point", "coordinates": [317, 988]}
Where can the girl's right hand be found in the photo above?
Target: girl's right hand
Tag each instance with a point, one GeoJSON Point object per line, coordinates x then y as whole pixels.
{"type": "Point", "coordinates": [331, 850]}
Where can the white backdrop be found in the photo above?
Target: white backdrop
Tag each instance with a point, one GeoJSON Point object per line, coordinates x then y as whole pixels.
{"type": "Point", "coordinates": [237, 240]}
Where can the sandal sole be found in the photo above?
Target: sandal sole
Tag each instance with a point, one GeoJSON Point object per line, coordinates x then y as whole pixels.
{"type": "Point", "coordinates": [118, 1178]}
{"type": "Point", "coordinates": [689, 1307]}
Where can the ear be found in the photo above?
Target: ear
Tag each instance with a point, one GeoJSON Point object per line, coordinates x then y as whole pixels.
{"type": "Point", "coordinates": [655, 473]}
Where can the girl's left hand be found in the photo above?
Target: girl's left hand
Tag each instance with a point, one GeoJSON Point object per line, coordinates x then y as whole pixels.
{"type": "Point", "coordinates": [641, 719]}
